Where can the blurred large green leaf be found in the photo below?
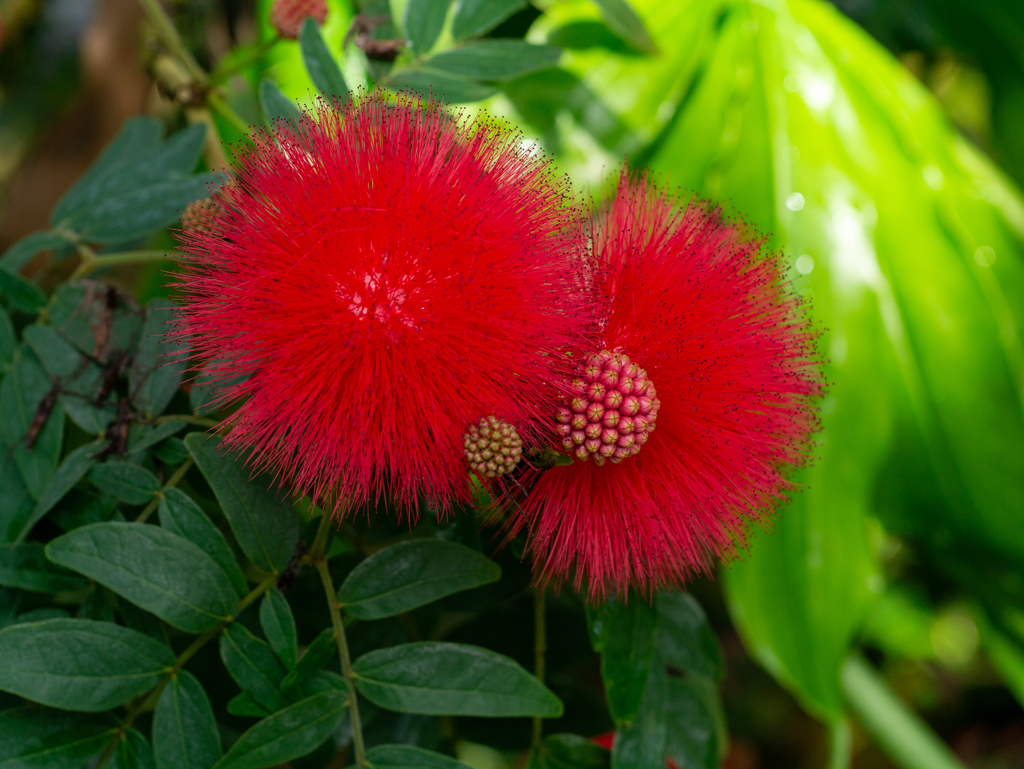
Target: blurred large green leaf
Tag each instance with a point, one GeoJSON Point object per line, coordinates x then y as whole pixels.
{"type": "Point", "coordinates": [907, 242]}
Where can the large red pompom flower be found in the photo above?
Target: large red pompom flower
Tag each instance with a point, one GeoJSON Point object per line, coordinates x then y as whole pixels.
{"type": "Point", "coordinates": [386, 276]}
{"type": "Point", "coordinates": [681, 427]}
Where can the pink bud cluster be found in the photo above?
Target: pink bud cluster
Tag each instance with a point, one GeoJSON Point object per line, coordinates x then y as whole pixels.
{"type": "Point", "coordinates": [612, 410]}
{"type": "Point", "coordinates": [492, 447]}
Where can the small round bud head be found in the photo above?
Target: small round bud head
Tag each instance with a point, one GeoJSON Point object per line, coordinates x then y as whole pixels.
{"type": "Point", "coordinates": [287, 15]}
{"type": "Point", "coordinates": [493, 447]}
{"type": "Point", "coordinates": [612, 410]}
{"type": "Point", "coordinates": [199, 214]}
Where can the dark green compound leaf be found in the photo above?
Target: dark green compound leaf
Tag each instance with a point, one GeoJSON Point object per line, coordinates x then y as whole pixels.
{"type": "Point", "coordinates": [320, 64]}
{"type": "Point", "coordinates": [410, 757]}
{"type": "Point", "coordinates": [158, 363]}
{"type": "Point", "coordinates": [142, 437]}
{"type": "Point", "coordinates": [265, 526]}
{"type": "Point", "coordinates": [442, 85]}
{"type": "Point", "coordinates": [494, 59]}
{"type": "Point", "coordinates": [243, 704]}
{"type": "Point", "coordinates": [21, 393]}
{"type": "Point", "coordinates": [279, 627]}
{"type": "Point", "coordinates": [624, 634]}
{"type": "Point", "coordinates": [25, 566]}
{"type": "Point", "coordinates": [138, 185]}
{"type": "Point", "coordinates": [277, 108]}
{"type": "Point", "coordinates": [623, 21]}
{"type": "Point", "coordinates": [129, 483]}
{"type": "Point", "coordinates": [21, 253]}
{"type": "Point", "coordinates": [80, 664]}
{"type": "Point", "coordinates": [172, 451]}
{"type": "Point", "coordinates": [151, 567]}
{"type": "Point", "coordinates": [412, 574]}
{"type": "Point", "coordinates": [15, 501]}
{"type": "Point", "coordinates": [569, 751]}
{"type": "Point", "coordinates": [133, 751]}
{"type": "Point", "coordinates": [584, 35]}
{"type": "Point", "coordinates": [423, 22]}
{"type": "Point", "coordinates": [434, 678]}
{"type": "Point", "coordinates": [185, 734]}
{"type": "Point", "coordinates": [78, 309]}
{"type": "Point", "coordinates": [39, 738]}
{"type": "Point", "coordinates": [475, 17]}
{"type": "Point", "coordinates": [39, 615]}
{"type": "Point", "coordinates": [316, 656]}
{"type": "Point", "coordinates": [8, 340]}
{"type": "Point", "coordinates": [22, 294]}
{"type": "Point", "coordinates": [684, 637]}
{"type": "Point", "coordinates": [71, 471]}
{"type": "Point", "coordinates": [80, 379]}
{"type": "Point", "coordinates": [180, 515]}
{"type": "Point", "coordinates": [288, 734]}
{"type": "Point", "coordinates": [254, 666]}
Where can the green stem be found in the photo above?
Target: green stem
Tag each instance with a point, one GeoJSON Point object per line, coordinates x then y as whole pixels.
{"type": "Point", "coordinates": [171, 483]}
{"type": "Point", "coordinates": [316, 556]}
{"type": "Point", "coordinates": [840, 744]}
{"type": "Point", "coordinates": [91, 262]}
{"type": "Point", "coordinates": [898, 730]}
{"type": "Point", "coordinates": [221, 107]}
{"type": "Point", "coordinates": [167, 32]}
{"type": "Point", "coordinates": [141, 706]}
{"type": "Point", "coordinates": [187, 419]}
{"type": "Point", "coordinates": [540, 648]}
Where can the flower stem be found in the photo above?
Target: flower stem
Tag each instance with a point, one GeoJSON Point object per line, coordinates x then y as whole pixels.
{"type": "Point", "coordinates": [187, 419]}
{"type": "Point", "coordinates": [91, 262]}
{"type": "Point", "coordinates": [218, 105]}
{"type": "Point", "coordinates": [171, 483]}
{"type": "Point", "coordinates": [167, 32]}
{"type": "Point", "coordinates": [318, 558]}
{"type": "Point", "coordinates": [540, 647]}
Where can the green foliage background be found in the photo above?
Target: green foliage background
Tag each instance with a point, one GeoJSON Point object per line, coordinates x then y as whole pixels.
{"type": "Point", "coordinates": [903, 552]}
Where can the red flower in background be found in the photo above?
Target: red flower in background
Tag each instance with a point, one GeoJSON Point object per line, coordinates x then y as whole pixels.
{"type": "Point", "coordinates": [388, 276]}
{"type": "Point", "coordinates": [287, 15]}
{"type": "Point", "coordinates": [682, 426]}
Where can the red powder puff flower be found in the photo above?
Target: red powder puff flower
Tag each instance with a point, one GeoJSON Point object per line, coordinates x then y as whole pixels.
{"type": "Point", "coordinates": [386, 276]}
{"type": "Point", "coordinates": [287, 15]}
{"type": "Point", "coordinates": [681, 427]}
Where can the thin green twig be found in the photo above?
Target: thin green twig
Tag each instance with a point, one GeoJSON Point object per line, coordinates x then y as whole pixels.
{"type": "Point", "coordinates": [92, 262]}
{"type": "Point", "coordinates": [168, 33]}
{"type": "Point", "coordinates": [171, 483]}
{"type": "Point", "coordinates": [317, 557]}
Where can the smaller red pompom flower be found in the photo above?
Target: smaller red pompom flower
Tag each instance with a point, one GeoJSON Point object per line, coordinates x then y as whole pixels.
{"type": "Point", "coordinates": [681, 426]}
{"type": "Point", "coordinates": [388, 277]}
{"type": "Point", "coordinates": [287, 15]}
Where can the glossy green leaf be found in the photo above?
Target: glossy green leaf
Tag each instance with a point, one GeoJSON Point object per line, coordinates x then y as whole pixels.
{"type": "Point", "coordinates": [129, 483]}
{"type": "Point", "coordinates": [423, 22]}
{"type": "Point", "coordinates": [279, 627]}
{"type": "Point", "coordinates": [185, 734]}
{"type": "Point", "coordinates": [243, 704]}
{"type": "Point", "coordinates": [80, 664]}
{"type": "Point", "coordinates": [80, 378]}
{"type": "Point", "coordinates": [412, 574]}
{"type": "Point", "coordinates": [583, 35]}
{"type": "Point", "coordinates": [410, 757]}
{"type": "Point", "coordinates": [569, 751]}
{"type": "Point", "coordinates": [253, 665]}
{"type": "Point", "coordinates": [71, 471]}
{"type": "Point", "coordinates": [40, 738]}
{"type": "Point", "coordinates": [320, 64]}
{"type": "Point", "coordinates": [313, 659]}
{"type": "Point", "coordinates": [684, 638]}
{"type": "Point", "coordinates": [265, 526]}
{"type": "Point", "coordinates": [276, 106]}
{"type": "Point", "coordinates": [158, 363]}
{"type": "Point", "coordinates": [22, 252]}
{"type": "Point", "coordinates": [180, 515]}
{"type": "Point", "coordinates": [452, 679]}
{"type": "Point", "coordinates": [494, 59]}
{"type": "Point", "coordinates": [138, 185]}
{"type": "Point", "coordinates": [8, 340]}
{"type": "Point", "coordinates": [624, 635]}
{"type": "Point", "coordinates": [25, 566]}
{"type": "Point", "coordinates": [142, 437]}
{"type": "Point", "coordinates": [21, 392]}
{"type": "Point", "coordinates": [624, 22]}
{"type": "Point", "coordinates": [288, 734]}
{"type": "Point", "coordinates": [15, 502]}
{"type": "Point", "coordinates": [151, 567]}
{"type": "Point", "coordinates": [441, 85]}
{"type": "Point", "coordinates": [80, 310]}
{"type": "Point", "coordinates": [133, 751]}
{"type": "Point", "coordinates": [22, 294]}
{"type": "Point", "coordinates": [475, 17]}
